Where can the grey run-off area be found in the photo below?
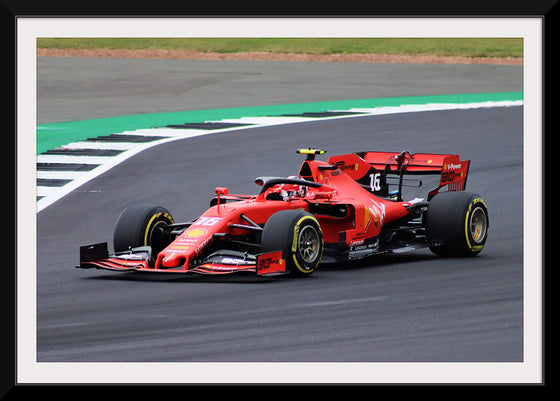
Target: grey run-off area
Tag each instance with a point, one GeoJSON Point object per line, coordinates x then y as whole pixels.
{"type": "Point", "coordinates": [70, 89]}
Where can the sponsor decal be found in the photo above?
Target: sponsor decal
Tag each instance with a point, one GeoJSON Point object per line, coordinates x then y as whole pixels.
{"type": "Point", "coordinates": [375, 218]}
{"type": "Point", "coordinates": [232, 261]}
{"type": "Point", "coordinates": [270, 262]}
{"type": "Point", "coordinates": [179, 247]}
{"type": "Point", "coordinates": [369, 244]}
{"type": "Point", "coordinates": [196, 232]}
{"type": "Point", "coordinates": [378, 210]}
{"type": "Point", "coordinates": [375, 182]}
{"type": "Point", "coordinates": [347, 167]}
{"type": "Point", "coordinates": [202, 245]}
{"type": "Point", "coordinates": [369, 214]}
{"type": "Point", "coordinates": [207, 221]}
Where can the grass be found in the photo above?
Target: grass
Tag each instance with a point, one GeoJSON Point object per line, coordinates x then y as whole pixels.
{"type": "Point", "coordinates": [470, 47]}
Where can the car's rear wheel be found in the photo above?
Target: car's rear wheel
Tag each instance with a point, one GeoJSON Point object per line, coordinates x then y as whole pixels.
{"type": "Point", "coordinates": [298, 235]}
{"type": "Point", "coordinates": [457, 224]}
{"type": "Point", "coordinates": [142, 225]}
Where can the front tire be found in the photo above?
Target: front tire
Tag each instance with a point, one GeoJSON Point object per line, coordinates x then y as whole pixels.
{"type": "Point", "coordinates": [142, 225]}
{"type": "Point", "coordinates": [457, 224]}
{"type": "Point", "coordinates": [298, 235]}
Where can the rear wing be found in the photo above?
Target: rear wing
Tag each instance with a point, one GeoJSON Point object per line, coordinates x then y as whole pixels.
{"type": "Point", "coordinates": [371, 169]}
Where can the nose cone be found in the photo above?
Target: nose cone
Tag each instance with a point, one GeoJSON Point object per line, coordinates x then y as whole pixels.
{"type": "Point", "coordinates": [170, 258]}
{"type": "Point", "coordinates": [189, 244]}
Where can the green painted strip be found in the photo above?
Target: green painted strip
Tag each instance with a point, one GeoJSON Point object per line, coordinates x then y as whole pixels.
{"type": "Point", "coordinates": [53, 135]}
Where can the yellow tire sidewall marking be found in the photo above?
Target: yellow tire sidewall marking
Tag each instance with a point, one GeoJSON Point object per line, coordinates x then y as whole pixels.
{"type": "Point", "coordinates": [467, 217]}
{"type": "Point", "coordinates": [155, 216]}
{"type": "Point", "coordinates": [295, 241]}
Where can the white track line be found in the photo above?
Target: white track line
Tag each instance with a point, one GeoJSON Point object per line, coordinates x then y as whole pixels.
{"type": "Point", "coordinates": [435, 107]}
{"type": "Point", "coordinates": [162, 132]}
{"type": "Point", "coordinates": [48, 191]}
{"type": "Point", "coordinates": [100, 145]}
{"type": "Point", "coordinates": [73, 159]}
{"type": "Point", "coordinates": [262, 121]}
{"type": "Point", "coordinates": [60, 175]}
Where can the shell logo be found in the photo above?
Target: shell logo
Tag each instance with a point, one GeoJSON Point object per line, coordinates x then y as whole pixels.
{"type": "Point", "coordinates": [196, 232]}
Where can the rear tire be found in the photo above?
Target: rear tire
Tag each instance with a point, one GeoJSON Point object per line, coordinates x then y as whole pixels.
{"type": "Point", "coordinates": [298, 235]}
{"type": "Point", "coordinates": [457, 224]}
{"type": "Point", "coordinates": [141, 225]}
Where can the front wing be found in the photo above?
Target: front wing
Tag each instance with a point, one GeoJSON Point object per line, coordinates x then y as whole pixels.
{"type": "Point", "coordinates": [138, 259]}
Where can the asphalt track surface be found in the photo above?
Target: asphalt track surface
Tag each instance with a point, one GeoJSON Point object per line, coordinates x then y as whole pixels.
{"type": "Point", "coordinates": [410, 307]}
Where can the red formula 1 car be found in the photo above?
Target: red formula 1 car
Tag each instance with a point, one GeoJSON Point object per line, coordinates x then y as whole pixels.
{"type": "Point", "coordinates": [337, 210]}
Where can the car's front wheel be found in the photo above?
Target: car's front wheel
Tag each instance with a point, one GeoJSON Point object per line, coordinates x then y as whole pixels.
{"type": "Point", "coordinates": [142, 225]}
{"type": "Point", "coordinates": [298, 235]}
